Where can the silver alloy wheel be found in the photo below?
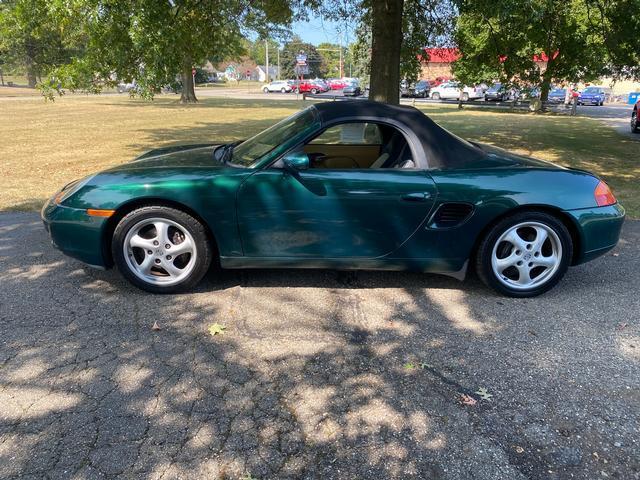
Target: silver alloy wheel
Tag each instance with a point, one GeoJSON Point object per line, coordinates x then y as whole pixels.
{"type": "Point", "coordinates": [634, 121]}
{"type": "Point", "coordinates": [526, 256]}
{"type": "Point", "coordinates": [160, 251]}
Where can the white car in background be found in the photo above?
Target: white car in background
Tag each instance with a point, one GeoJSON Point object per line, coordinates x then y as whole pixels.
{"type": "Point", "coordinates": [278, 86]}
{"type": "Point", "coordinates": [451, 90]}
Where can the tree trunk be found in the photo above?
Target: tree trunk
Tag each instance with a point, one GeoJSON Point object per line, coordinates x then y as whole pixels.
{"type": "Point", "coordinates": [188, 93]}
{"type": "Point", "coordinates": [31, 78]}
{"type": "Point", "coordinates": [547, 76]}
{"type": "Point", "coordinates": [1, 77]}
{"type": "Point", "coordinates": [386, 34]}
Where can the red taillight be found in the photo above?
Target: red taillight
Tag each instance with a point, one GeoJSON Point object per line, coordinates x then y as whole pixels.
{"type": "Point", "coordinates": [604, 195]}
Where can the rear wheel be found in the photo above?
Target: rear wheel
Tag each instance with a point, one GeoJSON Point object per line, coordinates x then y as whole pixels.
{"type": "Point", "coordinates": [314, 91]}
{"type": "Point", "coordinates": [465, 97]}
{"type": "Point", "coordinates": [435, 96]}
{"type": "Point", "coordinates": [525, 254]}
{"type": "Point", "coordinates": [283, 90]}
{"type": "Point", "coordinates": [265, 90]}
{"type": "Point", "coordinates": [161, 249]}
{"type": "Point", "coordinates": [635, 122]}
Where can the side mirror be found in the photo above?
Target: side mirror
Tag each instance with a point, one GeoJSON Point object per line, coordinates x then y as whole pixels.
{"type": "Point", "coordinates": [296, 161]}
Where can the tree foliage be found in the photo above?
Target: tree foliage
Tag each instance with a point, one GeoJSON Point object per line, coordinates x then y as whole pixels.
{"type": "Point", "coordinates": [501, 39]}
{"type": "Point", "coordinates": [315, 61]}
{"type": "Point", "coordinates": [422, 23]}
{"type": "Point", "coordinates": [152, 41]}
{"type": "Point", "coordinates": [33, 39]}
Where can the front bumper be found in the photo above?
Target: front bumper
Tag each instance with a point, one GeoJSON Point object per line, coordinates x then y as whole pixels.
{"type": "Point", "coordinates": [75, 233]}
{"type": "Point", "coordinates": [599, 230]}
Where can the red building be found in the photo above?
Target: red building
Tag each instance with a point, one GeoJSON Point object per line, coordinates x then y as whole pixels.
{"type": "Point", "coordinates": [437, 62]}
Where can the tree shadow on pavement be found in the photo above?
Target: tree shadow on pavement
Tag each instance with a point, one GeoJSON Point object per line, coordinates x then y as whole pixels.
{"type": "Point", "coordinates": [313, 378]}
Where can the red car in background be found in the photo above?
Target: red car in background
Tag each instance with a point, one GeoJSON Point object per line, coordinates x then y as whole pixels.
{"type": "Point", "coordinates": [309, 86]}
{"type": "Point", "coordinates": [437, 81]}
{"type": "Point", "coordinates": [337, 84]}
{"type": "Point", "coordinates": [635, 121]}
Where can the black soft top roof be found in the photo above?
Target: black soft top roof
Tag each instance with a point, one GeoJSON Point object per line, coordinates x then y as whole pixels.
{"type": "Point", "coordinates": [442, 148]}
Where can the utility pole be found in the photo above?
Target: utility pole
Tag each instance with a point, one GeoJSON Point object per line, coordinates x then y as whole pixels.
{"type": "Point", "coordinates": [341, 70]}
{"type": "Point", "coordinates": [278, 61]}
{"type": "Point", "coordinates": [266, 44]}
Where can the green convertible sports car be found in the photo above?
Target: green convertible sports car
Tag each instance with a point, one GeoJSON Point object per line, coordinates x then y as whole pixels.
{"type": "Point", "coordinates": [345, 185]}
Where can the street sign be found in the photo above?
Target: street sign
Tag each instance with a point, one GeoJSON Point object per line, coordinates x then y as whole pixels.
{"type": "Point", "coordinates": [301, 59]}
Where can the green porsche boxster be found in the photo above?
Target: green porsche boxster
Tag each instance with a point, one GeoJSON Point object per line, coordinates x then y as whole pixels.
{"type": "Point", "coordinates": [344, 185]}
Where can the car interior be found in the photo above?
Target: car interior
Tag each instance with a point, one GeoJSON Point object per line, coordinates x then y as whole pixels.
{"type": "Point", "coordinates": [359, 145]}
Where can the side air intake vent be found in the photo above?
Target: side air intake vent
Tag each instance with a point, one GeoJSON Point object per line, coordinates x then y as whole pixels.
{"type": "Point", "coordinates": [451, 215]}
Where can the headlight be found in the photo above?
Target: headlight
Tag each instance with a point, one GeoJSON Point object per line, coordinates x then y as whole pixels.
{"type": "Point", "coordinates": [70, 188]}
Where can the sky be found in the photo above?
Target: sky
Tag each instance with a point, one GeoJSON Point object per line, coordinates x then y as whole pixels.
{"type": "Point", "coordinates": [318, 30]}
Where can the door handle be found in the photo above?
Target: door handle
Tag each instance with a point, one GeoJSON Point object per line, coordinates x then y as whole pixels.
{"type": "Point", "coordinates": [416, 197]}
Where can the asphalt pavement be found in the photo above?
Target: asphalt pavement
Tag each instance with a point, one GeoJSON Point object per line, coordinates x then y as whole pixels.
{"type": "Point", "coordinates": [318, 374]}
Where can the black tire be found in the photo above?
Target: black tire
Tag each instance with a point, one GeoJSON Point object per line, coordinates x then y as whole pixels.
{"type": "Point", "coordinates": [313, 91]}
{"type": "Point", "coordinates": [483, 260]}
{"type": "Point", "coordinates": [435, 96]}
{"type": "Point", "coordinates": [197, 231]}
{"type": "Point", "coordinates": [283, 90]}
{"type": "Point", "coordinates": [635, 122]}
{"type": "Point", "coordinates": [265, 90]}
{"type": "Point", "coordinates": [465, 97]}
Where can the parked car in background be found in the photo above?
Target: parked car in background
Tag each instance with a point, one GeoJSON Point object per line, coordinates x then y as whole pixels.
{"type": "Point", "coordinates": [337, 83]}
{"type": "Point", "coordinates": [557, 95]}
{"type": "Point", "coordinates": [438, 81]}
{"type": "Point", "coordinates": [529, 93]}
{"type": "Point", "coordinates": [497, 92]}
{"type": "Point", "coordinates": [324, 86]}
{"type": "Point", "coordinates": [310, 86]}
{"type": "Point", "coordinates": [125, 87]}
{"type": "Point", "coordinates": [455, 91]}
{"type": "Point", "coordinates": [592, 96]}
{"type": "Point", "coordinates": [352, 89]}
{"type": "Point", "coordinates": [421, 89]}
{"type": "Point", "coordinates": [635, 120]}
{"type": "Point", "coordinates": [277, 86]}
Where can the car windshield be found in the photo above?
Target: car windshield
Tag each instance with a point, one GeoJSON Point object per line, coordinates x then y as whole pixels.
{"type": "Point", "coordinates": [591, 90]}
{"type": "Point", "coordinates": [421, 83]}
{"type": "Point", "coordinates": [250, 151]}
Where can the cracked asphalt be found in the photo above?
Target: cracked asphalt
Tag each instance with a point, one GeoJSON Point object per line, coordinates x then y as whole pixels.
{"type": "Point", "coordinates": [320, 374]}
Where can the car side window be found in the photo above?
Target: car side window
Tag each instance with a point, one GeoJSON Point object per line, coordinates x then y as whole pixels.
{"type": "Point", "coordinates": [359, 145]}
{"type": "Point", "coordinates": [350, 134]}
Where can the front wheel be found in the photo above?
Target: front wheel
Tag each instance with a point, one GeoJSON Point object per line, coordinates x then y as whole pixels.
{"type": "Point", "coordinates": [265, 90]}
{"type": "Point", "coordinates": [465, 97]}
{"type": "Point", "coordinates": [283, 90]}
{"type": "Point", "coordinates": [435, 96]}
{"type": "Point", "coordinates": [635, 123]}
{"type": "Point", "coordinates": [161, 249]}
{"type": "Point", "coordinates": [524, 255]}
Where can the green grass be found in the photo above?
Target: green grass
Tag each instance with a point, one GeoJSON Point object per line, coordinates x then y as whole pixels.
{"type": "Point", "coordinates": [45, 145]}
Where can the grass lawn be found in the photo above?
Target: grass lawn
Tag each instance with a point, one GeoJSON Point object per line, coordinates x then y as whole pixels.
{"type": "Point", "coordinates": [45, 145]}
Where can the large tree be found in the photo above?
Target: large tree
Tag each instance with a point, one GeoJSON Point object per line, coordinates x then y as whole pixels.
{"type": "Point", "coordinates": [151, 42]}
{"type": "Point", "coordinates": [33, 40]}
{"type": "Point", "coordinates": [538, 42]}
{"type": "Point", "coordinates": [391, 37]}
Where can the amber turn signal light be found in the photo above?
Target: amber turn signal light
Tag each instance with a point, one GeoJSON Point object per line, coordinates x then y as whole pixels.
{"type": "Point", "coordinates": [100, 213]}
{"type": "Point", "coordinates": [604, 195]}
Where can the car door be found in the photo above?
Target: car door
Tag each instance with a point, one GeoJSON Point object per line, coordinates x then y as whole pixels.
{"type": "Point", "coordinates": [450, 91]}
{"type": "Point", "coordinates": [339, 212]}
